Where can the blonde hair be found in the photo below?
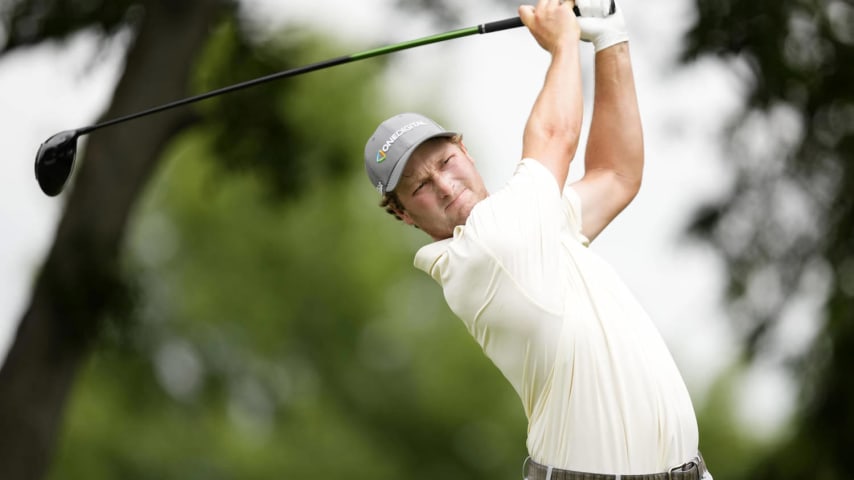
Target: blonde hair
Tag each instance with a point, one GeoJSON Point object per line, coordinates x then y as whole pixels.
{"type": "Point", "coordinates": [390, 201]}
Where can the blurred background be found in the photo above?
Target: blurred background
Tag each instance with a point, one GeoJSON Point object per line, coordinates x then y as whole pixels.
{"type": "Point", "coordinates": [216, 295]}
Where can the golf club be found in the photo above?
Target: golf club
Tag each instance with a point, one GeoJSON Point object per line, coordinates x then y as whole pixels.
{"type": "Point", "coordinates": [55, 157]}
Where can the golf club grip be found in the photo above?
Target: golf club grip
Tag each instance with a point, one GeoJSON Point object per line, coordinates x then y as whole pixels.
{"type": "Point", "coordinates": [499, 25]}
{"type": "Point", "coordinates": [515, 22]}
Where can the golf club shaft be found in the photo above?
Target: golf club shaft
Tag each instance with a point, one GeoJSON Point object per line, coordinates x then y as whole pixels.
{"type": "Point", "coordinates": [490, 27]}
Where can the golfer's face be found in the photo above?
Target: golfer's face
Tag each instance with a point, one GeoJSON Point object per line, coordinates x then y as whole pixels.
{"type": "Point", "coordinates": [439, 187]}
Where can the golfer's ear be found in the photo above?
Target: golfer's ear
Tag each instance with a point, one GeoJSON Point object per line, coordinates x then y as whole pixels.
{"type": "Point", "coordinates": [403, 216]}
{"type": "Point", "coordinates": [406, 218]}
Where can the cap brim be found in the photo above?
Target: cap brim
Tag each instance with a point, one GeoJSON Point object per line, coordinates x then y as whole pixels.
{"type": "Point", "coordinates": [397, 171]}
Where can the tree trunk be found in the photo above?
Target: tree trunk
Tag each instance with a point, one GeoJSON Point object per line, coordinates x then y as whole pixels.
{"type": "Point", "coordinates": [80, 281]}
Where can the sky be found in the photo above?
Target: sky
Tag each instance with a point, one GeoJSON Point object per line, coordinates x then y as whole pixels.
{"type": "Point", "coordinates": [483, 86]}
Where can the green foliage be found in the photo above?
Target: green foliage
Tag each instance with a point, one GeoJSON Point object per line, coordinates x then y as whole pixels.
{"type": "Point", "coordinates": [729, 448]}
{"type": "Point", "coordinates": [785, 231]}
{"type": "Point", "coordinates": [28, 22]}
{"type": "Point", "coordinates": [292, 132]}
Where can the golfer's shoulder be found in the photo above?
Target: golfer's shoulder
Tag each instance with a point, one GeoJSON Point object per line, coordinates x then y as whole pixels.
{"type": "Point", "coordinates": [530, 171]}
{"type": "Point", "coordinates": [529, 203]}
{"type": "Point", "coordinates": [532, 187]}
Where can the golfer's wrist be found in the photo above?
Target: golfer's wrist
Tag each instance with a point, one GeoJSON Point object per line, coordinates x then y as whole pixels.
{"type": "Point", "coordinates": [565, 46]}
{"type": "Point", "coordinates": [607, 42]}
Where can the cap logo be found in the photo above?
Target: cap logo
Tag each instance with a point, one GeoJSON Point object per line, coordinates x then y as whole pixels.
{"type": "Point", "coordinates": [381, 154]}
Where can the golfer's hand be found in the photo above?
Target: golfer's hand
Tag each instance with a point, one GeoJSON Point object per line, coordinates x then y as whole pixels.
{"type": "Point", "coordinates": [598, 27]}
{"type": "Point", "coordinates": [552, 23]}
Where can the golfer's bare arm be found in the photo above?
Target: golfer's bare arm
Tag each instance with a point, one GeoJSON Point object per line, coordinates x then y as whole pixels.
{"type": "Point", "coordinates": [551, 133]}
{"type": "Point", "coordinates": [613, 163]}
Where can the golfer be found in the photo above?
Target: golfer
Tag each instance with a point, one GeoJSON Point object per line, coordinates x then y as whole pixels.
{"type": "Point", "coordinates": [602, 394]}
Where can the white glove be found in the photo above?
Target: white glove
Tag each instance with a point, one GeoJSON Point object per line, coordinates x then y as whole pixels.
{"type": "Point", "coordinates": [598, 27]}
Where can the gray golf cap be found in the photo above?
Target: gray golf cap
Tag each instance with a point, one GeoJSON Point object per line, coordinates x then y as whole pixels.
{"type": "Point", "coordinates": [393, 142]}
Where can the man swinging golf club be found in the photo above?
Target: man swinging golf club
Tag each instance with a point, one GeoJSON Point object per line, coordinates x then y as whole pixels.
{"type": "Point", "coordinates": [602, 394]}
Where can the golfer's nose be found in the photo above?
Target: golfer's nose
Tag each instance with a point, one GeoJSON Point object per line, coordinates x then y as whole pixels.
{"type": "Point", "coordinates": [444, 186]}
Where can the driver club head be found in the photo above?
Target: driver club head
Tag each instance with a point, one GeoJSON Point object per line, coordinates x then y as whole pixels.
{"type": "Point", "coordinates": [54, 161]}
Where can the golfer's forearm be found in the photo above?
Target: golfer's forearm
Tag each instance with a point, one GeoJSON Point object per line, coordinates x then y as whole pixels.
{"type": "Point", "coordinates": [551, 134]}
{"type": "Point", "coordinates": [615, 142]}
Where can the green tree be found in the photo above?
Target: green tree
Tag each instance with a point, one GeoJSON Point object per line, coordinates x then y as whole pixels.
{"type": "Point", "coordinates": [79, 285]}
{"type": "Point", "coordinates": [785, 230]}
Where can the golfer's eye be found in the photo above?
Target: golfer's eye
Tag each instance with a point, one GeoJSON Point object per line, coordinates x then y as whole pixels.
{"type": "Point", "coordinates": [445, 162]}
{"type": "Point", "coordinates": [418, 188]}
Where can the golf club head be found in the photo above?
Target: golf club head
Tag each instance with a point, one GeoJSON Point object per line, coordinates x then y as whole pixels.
{"type": "Point", "coordinates": [54, 161]}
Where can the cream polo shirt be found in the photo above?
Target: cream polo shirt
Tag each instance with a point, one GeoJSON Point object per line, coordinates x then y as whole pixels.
{"type": "Point", "coordinates": [600, 389]}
